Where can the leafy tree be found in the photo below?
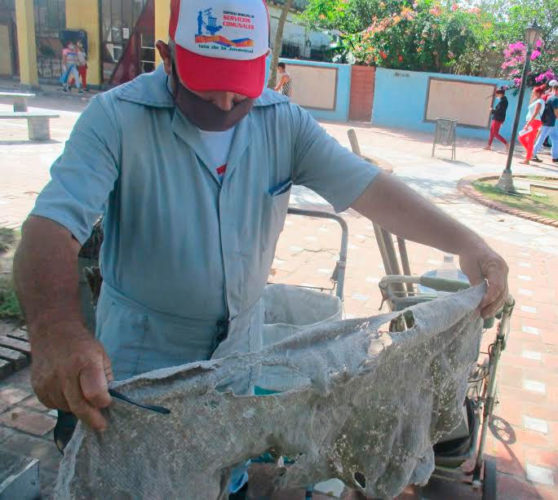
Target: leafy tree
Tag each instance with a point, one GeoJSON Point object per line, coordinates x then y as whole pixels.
{"type": "Point", "coordinates": [517, 15]}
{"type": "Point", "coordinates": [425, 35]}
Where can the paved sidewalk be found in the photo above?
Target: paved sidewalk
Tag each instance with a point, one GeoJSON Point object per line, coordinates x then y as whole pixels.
{"type": "Point", "coordinates": [524, 434]}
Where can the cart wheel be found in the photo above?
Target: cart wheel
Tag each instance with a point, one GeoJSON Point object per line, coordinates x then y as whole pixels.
{"type": "Point", "coordinates": [489, 484]}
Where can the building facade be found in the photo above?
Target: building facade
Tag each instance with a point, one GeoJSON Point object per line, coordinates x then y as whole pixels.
{"type": "Point", "coordinates": [119, 36]}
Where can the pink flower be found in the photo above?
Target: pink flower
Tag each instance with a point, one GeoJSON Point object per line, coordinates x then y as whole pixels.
{"type": "Point", "coordinates": [454, 7]}
{"type": "Point", "coordinates": [536, 53]}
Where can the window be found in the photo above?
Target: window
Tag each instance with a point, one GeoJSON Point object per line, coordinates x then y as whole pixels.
{"type": "Point", "coordinates": [50, 19]}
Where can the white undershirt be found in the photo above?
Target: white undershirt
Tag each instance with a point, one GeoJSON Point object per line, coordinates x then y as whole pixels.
{"type": "Point", "coordinates": [218, 146]}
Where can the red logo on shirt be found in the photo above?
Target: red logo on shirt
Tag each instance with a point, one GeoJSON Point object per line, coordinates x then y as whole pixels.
{"type": "Point", "coordinates": [221, 170]}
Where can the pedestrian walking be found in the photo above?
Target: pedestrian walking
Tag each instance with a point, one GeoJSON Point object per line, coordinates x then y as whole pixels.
{"type": "Point", "coordinates": [549, 124]}
{"type": "Point", "coordinates": [69, 67]}
{"type": "Point", "coordinates": [533, 123]}
{"type": "Point", "coordinates": [285, 84]}
{"type": "Point", "coordinates": [498, 118]}
{"type": "Point", "coordinates": [82, 65]}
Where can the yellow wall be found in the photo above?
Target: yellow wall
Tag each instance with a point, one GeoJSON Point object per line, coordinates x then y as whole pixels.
{"type": "Point", "coordinates": [6, 52]}
{"type": "Point", "coordinates": [162, 16]}
{"type": "Point", "coordinates": [84, 15]}
{"type": "Point", "coordinates": [25, 20]}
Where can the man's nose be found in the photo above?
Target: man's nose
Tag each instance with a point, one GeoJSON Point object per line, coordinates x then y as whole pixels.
{"type": "Point", "coordinates": [223, 100]}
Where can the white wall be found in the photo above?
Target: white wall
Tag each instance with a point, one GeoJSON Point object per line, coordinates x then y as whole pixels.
{"type": "Point", "coordinates": [295, 32]}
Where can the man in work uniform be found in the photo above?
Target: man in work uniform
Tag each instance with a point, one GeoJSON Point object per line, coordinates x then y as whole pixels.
{"type": "Point", "coordinates": [192, 166]}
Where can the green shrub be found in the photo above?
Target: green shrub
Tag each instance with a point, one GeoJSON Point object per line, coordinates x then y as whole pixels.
{"type": "Point", "coordinates": [9, 305]}
{"type": "Point", "coordinates": [7, 238]}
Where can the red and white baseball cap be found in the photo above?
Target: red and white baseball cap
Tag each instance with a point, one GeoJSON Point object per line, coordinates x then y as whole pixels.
{"type": "Point", "coordinates": [221, 44]}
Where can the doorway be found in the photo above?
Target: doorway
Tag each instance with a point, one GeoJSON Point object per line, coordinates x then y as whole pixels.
{"type": "Point", "coordinates": [128, 39]}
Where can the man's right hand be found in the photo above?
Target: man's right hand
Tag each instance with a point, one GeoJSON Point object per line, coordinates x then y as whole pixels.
{"type": "Point", "coordinates": [70, 371]}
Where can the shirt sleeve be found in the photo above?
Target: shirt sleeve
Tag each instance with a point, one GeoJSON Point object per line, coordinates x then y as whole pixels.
{"type": "Point", "coordinates": [84, 175]}
{"type": "Point", "coordinates": [326, 167]}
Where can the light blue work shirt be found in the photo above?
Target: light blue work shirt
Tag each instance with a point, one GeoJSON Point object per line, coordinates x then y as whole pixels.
{"type": "Point", "coordinates": [185, 257]}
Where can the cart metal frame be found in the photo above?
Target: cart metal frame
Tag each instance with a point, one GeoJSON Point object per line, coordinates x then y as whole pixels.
{"type": "Point", "coordinates": [395, 291]}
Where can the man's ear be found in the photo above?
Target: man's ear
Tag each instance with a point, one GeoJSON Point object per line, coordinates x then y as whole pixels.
{"type": "Point", "coordinates": [165, 53]}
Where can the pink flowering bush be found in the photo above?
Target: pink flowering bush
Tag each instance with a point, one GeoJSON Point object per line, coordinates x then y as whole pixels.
{"type": "Point", "coordinates": [543, 64]}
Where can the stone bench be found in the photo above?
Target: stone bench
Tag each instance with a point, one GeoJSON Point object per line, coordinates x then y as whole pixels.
{"type": "Point", "coordinates": [37, 123]}
{"type": "Point", "coordinates": [19, 99]}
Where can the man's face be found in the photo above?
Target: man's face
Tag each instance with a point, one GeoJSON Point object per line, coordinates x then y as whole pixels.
{"type": "Point", "coordinates": [220, 99]}
{"type": "Point", "coordinates": [223, 100]}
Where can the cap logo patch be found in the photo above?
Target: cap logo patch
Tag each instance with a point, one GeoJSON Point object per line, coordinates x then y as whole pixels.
{"type": "Point", "coordinates": [208, 36]}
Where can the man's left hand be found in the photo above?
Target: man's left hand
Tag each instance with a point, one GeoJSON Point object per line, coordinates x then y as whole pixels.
{"type": "Point", "coordinates": [482, 263]}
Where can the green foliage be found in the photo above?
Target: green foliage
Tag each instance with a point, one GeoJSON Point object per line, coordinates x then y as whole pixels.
{"type": "Point", "coordinates": [9, 305]}
{"type": "Point", "coordinates": [7, 238]}
{"type": "Point", "coordinates": [540, 201]}
{"type": "Point", "coordinates": [517, 15]}
{"type": "Point", "coordinates": [425, 35]}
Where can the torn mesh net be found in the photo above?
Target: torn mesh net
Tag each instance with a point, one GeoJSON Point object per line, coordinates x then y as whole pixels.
{"type": "Point", "coordinates": [359, 403]}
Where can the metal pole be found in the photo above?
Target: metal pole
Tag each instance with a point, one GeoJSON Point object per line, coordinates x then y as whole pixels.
{"type": "Point", "coordinates": [505, 183]}
{"type": "Point", "coordinates": [518, 110]}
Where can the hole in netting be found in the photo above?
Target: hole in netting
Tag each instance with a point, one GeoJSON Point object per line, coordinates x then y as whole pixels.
{"type": "Point", "coordinates": [360, 480]}
{"type": "Point", "coordinates": [403, 322]}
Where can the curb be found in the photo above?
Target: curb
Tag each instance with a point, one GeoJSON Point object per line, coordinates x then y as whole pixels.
{"type": "Point", "coordinates": [465, 186]}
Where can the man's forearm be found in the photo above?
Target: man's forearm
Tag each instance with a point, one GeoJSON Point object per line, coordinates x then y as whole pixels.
{"type": "Point", "coordinates": [402, 211]}
{"type": "Point", "coordinates": [70, 369]}
{"type": "Point", "coordinates": [46, 274]}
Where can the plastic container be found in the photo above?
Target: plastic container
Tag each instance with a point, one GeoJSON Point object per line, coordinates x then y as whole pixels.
{"type": "Point", "coordinates": [448, 271]}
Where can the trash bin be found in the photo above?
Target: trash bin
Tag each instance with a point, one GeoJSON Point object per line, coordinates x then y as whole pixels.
{"type": "Point", "coordinates": [288, 310]}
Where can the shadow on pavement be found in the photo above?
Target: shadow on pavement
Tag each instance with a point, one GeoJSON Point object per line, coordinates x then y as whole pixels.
{"type": "Point", "coordinates": [26, 142]}
{"type": "Point", "coordinates": [456, 162]}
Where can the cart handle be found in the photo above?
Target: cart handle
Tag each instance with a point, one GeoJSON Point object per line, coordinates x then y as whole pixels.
{"type": "Point", "coordinates": [338, 275]}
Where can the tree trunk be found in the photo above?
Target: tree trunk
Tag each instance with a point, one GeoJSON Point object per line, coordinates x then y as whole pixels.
{"type": "Point", "coordinates": [278, 43]}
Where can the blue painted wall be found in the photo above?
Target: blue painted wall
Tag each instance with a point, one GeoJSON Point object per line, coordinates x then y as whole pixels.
{"type": "Point", "coordinates": [400, 100]}
{"type": "Point", "coordinates": [341, 111]}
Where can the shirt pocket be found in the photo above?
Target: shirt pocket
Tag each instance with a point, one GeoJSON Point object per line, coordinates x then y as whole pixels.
{"type": "Point", "coordinates": [276, 206]}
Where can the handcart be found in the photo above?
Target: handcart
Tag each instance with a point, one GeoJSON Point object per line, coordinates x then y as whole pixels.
{"type": "Point", "coordinates": [400, 292]}
{"type": "Point", "coordinates": [400, 289]}
{"type": "Point", "coordinates": [338, 275]}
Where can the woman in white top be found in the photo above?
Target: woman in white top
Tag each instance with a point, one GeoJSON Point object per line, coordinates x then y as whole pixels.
{"type": "Point", "coordinates": [533, 123]}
